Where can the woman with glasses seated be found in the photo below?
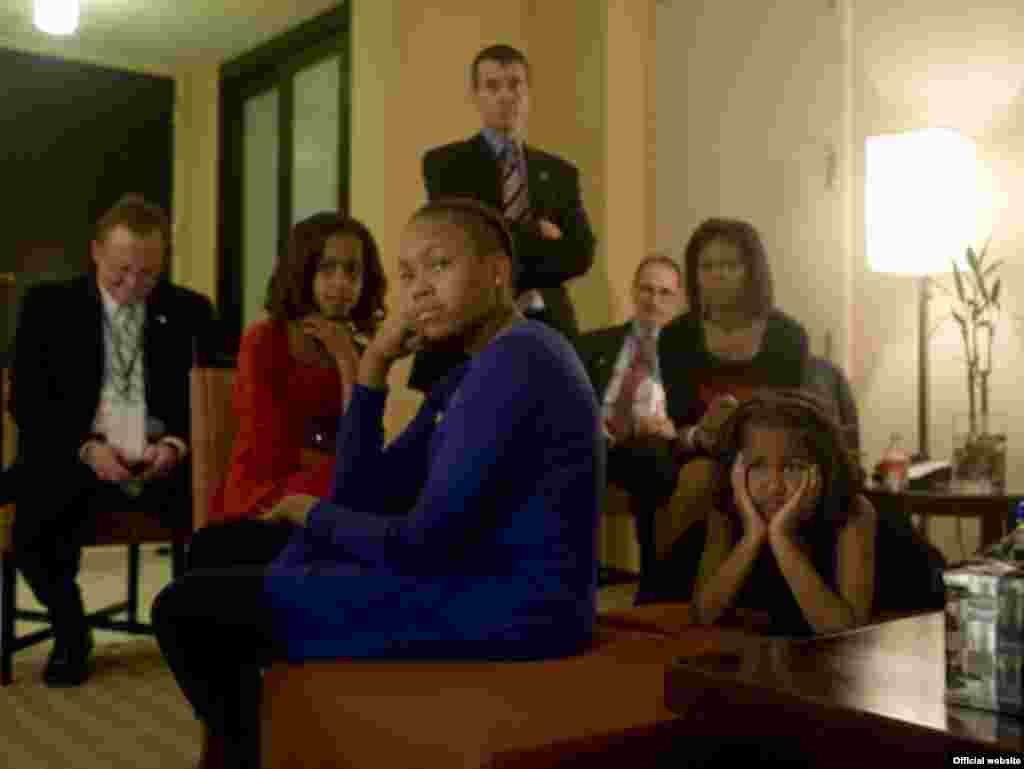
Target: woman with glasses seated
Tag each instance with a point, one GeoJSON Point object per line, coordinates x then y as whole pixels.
{"type": "Point", "coordinates": [470, 536]}
{"type": "Point", "coordinates": [798, 552]}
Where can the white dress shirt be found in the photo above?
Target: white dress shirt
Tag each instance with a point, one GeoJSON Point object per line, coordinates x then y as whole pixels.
{"type": "Point", "coordinates": [650, 394]}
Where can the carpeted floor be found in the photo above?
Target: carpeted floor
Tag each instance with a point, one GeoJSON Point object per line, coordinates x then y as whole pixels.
{"type": "Point", "coordinates": [130, 714]}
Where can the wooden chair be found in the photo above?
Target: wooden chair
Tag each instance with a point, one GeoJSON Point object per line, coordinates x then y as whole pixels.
{"type": "Point", "coordinates": [214, 425]}
{"type": "Point", "coordinates": [115, 527]}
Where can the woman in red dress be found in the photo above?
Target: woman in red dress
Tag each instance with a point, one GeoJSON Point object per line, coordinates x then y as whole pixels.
{"type": "Point", "coordinates": [295, 374]}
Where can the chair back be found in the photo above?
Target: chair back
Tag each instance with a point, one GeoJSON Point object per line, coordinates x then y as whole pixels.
{"type": "Point", "coordinates": [214, 425]}
{"type": "Point", "coordinates": [8, 441]}
{"type": "Point", "coordinates": [8, 430]}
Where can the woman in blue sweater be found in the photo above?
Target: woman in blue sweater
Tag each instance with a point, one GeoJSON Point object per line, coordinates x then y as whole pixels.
{"type": "Point", "coordinates": [470, 536]}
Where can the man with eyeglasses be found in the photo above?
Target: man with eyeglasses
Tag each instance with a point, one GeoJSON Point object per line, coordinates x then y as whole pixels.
{"type": "Point", "coordinates": [625, 364]}
{"type": "Point", "coordinates": [99, 392]}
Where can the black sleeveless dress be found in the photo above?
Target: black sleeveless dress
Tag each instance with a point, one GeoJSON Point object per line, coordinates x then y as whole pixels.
{"type": "Point", "coordinates": [673, 578]}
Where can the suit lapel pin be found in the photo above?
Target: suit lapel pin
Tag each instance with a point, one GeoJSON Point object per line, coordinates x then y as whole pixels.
{"type": "Point", "coordinates": [544, 175]}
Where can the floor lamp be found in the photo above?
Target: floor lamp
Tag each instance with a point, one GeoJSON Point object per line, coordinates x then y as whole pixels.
{"type": "Point", "coordinates": [920, 205]}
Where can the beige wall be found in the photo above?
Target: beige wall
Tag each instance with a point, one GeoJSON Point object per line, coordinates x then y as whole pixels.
{"type": "Point", "coordinates": [567, 44]}
{"type": "Point", "coordinates": [629, 172]}
{"type": "Point", "coordinates": [196, 161]}
{"type": "Point", "coordinates": [750, 103]}
{"type": "Point", "coordinates": [965, 73]}
{"type": "Point", "coordinates": [750, 124]}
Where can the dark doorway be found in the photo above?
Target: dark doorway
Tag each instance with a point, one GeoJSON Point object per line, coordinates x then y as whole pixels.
{"type": "Point", "coordinates": [75, 138]}
{"type": "Point", "coordinates": [285, 126]}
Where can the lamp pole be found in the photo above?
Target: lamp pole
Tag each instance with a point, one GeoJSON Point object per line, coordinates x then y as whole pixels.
{"type": "Point", "coordinates": [924, 296]}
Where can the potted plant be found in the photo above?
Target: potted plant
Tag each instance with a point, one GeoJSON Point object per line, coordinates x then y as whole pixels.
{"type": "Point", "coordinates": [979, 450]}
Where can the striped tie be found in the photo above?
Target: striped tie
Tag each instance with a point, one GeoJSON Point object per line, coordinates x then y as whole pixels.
{"type": "Point", "coordinates": [513, 184]}
{"type": "Point", "coordinates": [127, 372]}
{"type": "Point", "coordinates": [640, 369]}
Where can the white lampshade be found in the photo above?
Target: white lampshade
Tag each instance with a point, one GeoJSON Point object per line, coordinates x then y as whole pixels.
{"type": "Point", "coordinates": [920, 205]}
{"type": "Point", "coordinates": [56, 17]}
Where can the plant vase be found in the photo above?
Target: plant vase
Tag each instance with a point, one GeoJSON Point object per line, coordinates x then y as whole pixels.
{"type": "Point", "coordinates": [979, 454]}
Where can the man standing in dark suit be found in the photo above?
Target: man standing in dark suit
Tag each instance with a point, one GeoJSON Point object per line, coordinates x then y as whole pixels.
{"type": "Point", "coordinates": [99, 391]}
{"type": "Point", "coordinates": [538, 192]}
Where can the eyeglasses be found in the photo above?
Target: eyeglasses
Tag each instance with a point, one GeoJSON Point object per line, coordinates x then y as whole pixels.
{"type": "Point", "coordinates": [792, 473]}
{"type": "Point", "coordinates": [660, 293]}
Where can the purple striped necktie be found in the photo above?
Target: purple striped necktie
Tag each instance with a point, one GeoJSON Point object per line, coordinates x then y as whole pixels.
{"type": "Point", "coordinates": [513, 183]}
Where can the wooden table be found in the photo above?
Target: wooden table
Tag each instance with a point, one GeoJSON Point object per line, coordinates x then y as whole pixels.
{"type": "Point", "coordinates": [870, 697]}
{"type": "Point", "coordinates": [993, 510]}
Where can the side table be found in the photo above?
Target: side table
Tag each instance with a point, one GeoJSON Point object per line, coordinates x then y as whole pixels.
{"type": "Point", "coordinates": [994, 511]}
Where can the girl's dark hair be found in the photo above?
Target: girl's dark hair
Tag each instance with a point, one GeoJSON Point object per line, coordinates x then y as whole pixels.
{"type": "Point", "coordinates": [484, 225]}
{"type": "Point", "coordinates": [808, 414]}
{"type": "Point", "coordinates": [290, 294]}
{"type": "Point", "coordinates": [759, 294]}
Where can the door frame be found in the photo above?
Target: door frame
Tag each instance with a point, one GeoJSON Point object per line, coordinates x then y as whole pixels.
{"type": "Point", "coordinates": [273, 65]}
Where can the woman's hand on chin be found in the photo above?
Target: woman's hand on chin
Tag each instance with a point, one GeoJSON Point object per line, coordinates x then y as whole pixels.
{"type": "Point", "coordinates": [335, 336]}
{"type": "Point", "coordinates": [754, 523]}
{"type": "Point", "coordinates": [395, 338]}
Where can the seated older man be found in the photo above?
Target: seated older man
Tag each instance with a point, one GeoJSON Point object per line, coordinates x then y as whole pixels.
{"type": "Point", "coordinates": [99, 392]}
{"type": "Point", "coordinates": [640, 405]}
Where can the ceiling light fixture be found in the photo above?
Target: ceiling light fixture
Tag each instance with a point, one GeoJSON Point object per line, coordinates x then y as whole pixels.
{"type": "Point", "coordinates": [56, 17]}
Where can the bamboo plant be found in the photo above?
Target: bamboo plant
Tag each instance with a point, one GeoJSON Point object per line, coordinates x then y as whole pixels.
{"type": "Point", "coordinates": [976, 311]}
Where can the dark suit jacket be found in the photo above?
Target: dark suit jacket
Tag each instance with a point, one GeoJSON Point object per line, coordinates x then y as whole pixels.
{"type": "Point", "coordinates": [599, 350]}
{"type": "Point", "coordinates": [57, 372]}
{"type": "Point", "coordinates": [469, 169]}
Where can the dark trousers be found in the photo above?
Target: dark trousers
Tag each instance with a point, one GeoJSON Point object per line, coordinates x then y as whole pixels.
{"type": "Point", "coordinates": [215, 628]}
{"type": "Point", "coordinates": [646, 469]}
{"type": "Point", "coordinates": [56, 515]}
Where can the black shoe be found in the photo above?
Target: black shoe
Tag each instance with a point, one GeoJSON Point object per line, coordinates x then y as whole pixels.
{"type": "Point", "coordinates": [69, 665]}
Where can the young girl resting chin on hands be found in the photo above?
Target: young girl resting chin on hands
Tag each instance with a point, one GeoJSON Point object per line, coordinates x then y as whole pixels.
{"type": "Point", "coordinates": [789, 538]}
